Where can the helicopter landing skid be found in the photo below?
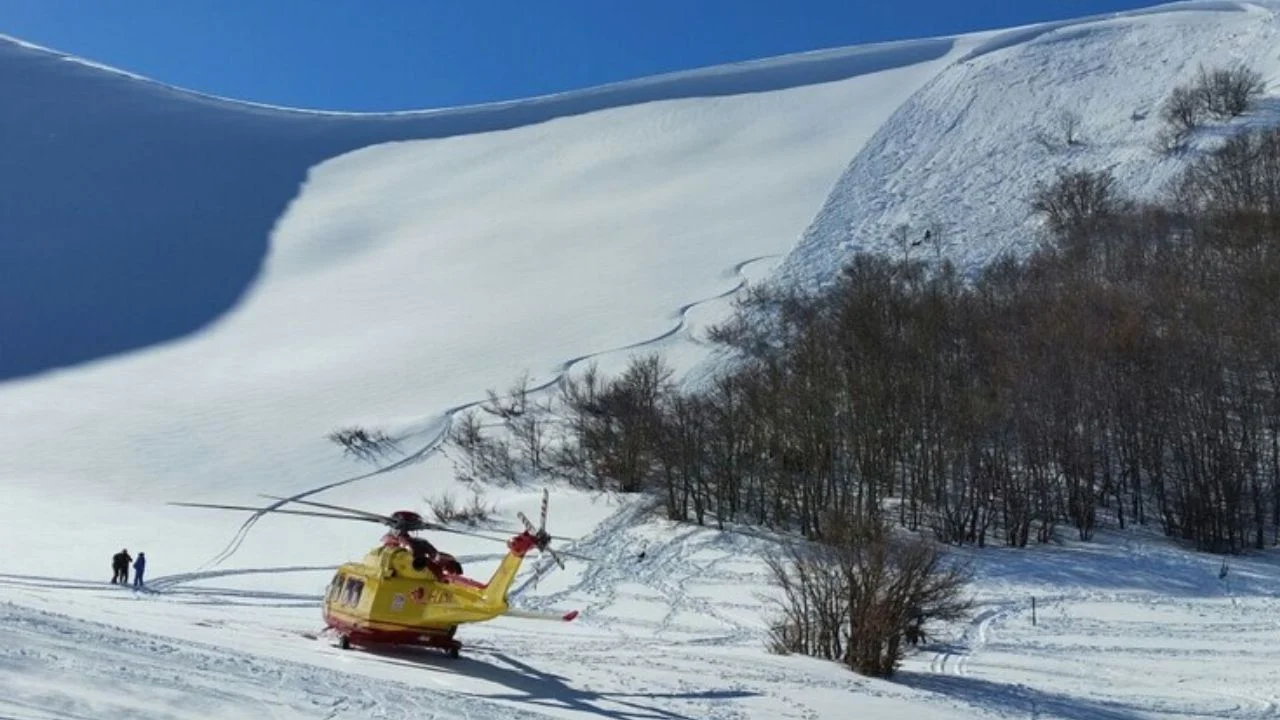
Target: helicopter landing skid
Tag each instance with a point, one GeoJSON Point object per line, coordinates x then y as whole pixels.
{"type": "Point", "coordinates": [439, 641]}
{"type": "Point", "coordinates": [451, 647]}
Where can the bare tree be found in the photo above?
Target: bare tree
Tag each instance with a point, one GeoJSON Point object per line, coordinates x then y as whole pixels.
{"type": "Point", "coordinates": [1069, 124]}
{"type": "Point", "coordinates": [902, 237]}
{"type": "Point", "coordinates": [525, 418]}
{"type": "Point", "coordinates": [1064, 131]}
{"type": "Point", "coordinates": [483, 457]}
{"type": "Point", "coordinates": [1077, 200]}
{"type": "Point", "coordinates": [475, 511]}
{"type": "Point", "coordinates": [1183, 111]}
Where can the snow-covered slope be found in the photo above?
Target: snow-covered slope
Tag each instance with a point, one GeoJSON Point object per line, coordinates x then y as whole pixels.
{"type": "Point", "coordinates": [275, 274]}
{"type": "Point", "coordinates": [136, 213]}
{"type": "Point", "coordinates": [404, 278]}
{"type": "Point", "coordinates": [965, 152]}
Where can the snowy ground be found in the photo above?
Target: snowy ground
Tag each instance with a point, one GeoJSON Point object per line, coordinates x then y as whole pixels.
{"type": "Point", "coordinates": [405, 279]}
{"type": "Point", "coordinates": [1124, 629]}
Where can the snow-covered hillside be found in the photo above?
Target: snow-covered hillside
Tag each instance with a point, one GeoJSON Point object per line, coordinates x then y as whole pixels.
{"type": "Point", "coordinates": [965, 152]}
{"type": "Point", "coordinates": [406, 278]}
{"type": "Point", "coordinates": [137, 213]}
{"type": "Point", "coordinates": [196, 291]}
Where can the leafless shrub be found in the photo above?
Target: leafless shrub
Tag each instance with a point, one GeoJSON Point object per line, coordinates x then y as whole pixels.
{"type": "Point", "coordinates": [859, 599]}
{"type": "Point", "coordinates": [526, 420]}
{"type": "Point", "coordinates": [1183, 111]}
{"type": "Point", "coordinates": [1221, 94]}
{"type": "Point", "coordinates": [814, 609]}
{"type": "Point", "coordinates": [1063, 131]}
{"type": "Point", "coordinates": [1229, 92]}
{"type": "Point", "coordinates": [447, 510]}
{"type": "Point", "coordinates": [1069, 123]}
{"type": "Point", "coordinates": [481, 457]}
{"type": "Point", "coordinates": [363, 444]}
{"type": "Point", "coordinates": [1077, 200]}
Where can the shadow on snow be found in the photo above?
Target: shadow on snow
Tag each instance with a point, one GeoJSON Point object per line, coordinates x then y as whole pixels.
{"type": "Point", "coordinates": [135, 213]}
{"type": "Point", "coordinates": [1017, 700]}
{"type": "Point", "coordinates": [530, 686]}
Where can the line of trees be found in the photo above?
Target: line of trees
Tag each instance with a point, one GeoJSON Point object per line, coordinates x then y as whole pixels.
{"type": "Point", "coordinates": [1127, 370]}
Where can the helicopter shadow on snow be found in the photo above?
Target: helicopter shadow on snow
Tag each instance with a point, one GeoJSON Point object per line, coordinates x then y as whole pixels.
{"type": "Point", "coordinates": [532, 686]}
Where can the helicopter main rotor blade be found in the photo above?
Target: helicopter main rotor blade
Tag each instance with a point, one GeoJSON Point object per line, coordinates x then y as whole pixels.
{"type": "Point", "coordinates": [497, 528]}
{"type": "Point", "coordinates": [532, 530]}
{"type": "Point", "coordinates": [528, 526]}
{"type": "Point", "coordinates": [442, 528]}
{"type": "Point", "coordinates": [576, 556]}
{"type": "Point", "coordinates": [424, 525]}
{"type": "Point", "coordinates": [555, 556]}
{"type": "Point", "coordinates": [268, 510]}
{"type": "Point", "coordinates": [542, 520]}
{"type": "Point", "coordinates": [364, 513]}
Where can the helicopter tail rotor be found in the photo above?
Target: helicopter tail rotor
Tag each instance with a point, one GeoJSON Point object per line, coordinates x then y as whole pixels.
{"type": "Point", "coordinates": [540, 535]}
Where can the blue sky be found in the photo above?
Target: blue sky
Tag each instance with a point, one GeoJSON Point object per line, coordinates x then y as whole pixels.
{"type": "Point", "coordinates": [365, 55]}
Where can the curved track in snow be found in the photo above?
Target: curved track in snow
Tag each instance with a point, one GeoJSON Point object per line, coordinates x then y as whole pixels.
{"type": "Point", "coordinates": [1067, 638]}
{"type": "Point", "coordinates": [444, 422]}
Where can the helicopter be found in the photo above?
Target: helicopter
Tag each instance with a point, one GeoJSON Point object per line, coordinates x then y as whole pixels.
{"type": "Point", "coordinates": [405, 591]}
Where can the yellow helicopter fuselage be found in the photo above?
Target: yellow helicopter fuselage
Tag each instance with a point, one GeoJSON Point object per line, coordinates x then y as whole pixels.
{"type": "Point", "coordinates": [384, 599]}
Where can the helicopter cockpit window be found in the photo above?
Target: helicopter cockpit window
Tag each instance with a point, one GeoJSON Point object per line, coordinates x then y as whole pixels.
{"type": "Point", "coordinates": [335, 586]}
{"type": "Point", "coordinates": [351, 593]}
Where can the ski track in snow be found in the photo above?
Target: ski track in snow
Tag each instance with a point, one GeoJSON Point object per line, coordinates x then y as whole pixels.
{"type": "Point", "coordinates": [964, 657]}
{"type": "Point", "coordinates": [445, 420]}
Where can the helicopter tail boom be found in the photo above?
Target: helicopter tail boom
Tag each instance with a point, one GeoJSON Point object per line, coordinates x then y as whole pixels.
{"type": "Point", "coordinates": [535, 615]}
{"type": "Point", "coordinates": [519, 546]}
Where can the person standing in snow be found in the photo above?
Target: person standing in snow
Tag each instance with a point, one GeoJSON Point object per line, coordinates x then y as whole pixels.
{"type": "Point", "coordinates": [139, 566]}
{"type": "Point", "coordinates": [120, 567]}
